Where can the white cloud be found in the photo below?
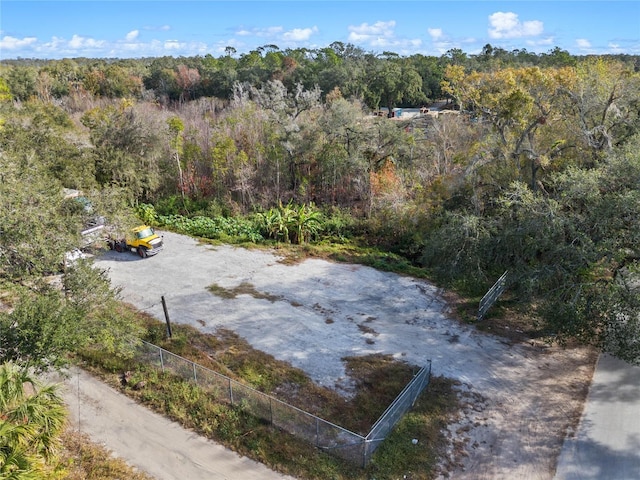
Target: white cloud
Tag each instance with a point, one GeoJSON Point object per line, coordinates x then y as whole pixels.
{"type": "Point", "coordinates": [508, 25]}
{"type": "Point", "coordinates": [365, 32]}
{"type": "Point", "coordinates": [269, 32]}
{"type": "Point", "coordinates": [173, 45]}
{"type": "Point", "coordinates": [260, 32]}
{"type": "Point", "coordinates": [381, 36]}
{"type": "Point", "coordinates": [435, 33]}
{"type": "Point", "coordinates": [78, 42]}
{"type": "Point", "coordinates": [54, 43]}
{"type": "Point", "coordinates": [12, 43]}
{"type": "Point", "coordinates": [541, 42]}
{"type": "Point", "coordinates": [614, 47]}
{"type": "Point", "coordinates": [80, 46]}
{"type": "Point", "coordinates": [443, 42]}
{"type": "Point", "coordinates": [380, 42]}
{"type": "Point", "coordinates": [299, 34]}
{"type": "Point", "coordinates": [155, 28]}
{"type": "Point", "coordinates": [132, 35]}
{"type": "Point", "coordinates": [583, 43]}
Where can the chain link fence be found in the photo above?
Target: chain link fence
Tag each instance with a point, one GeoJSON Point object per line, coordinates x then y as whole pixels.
{"type": "Point", "coordinates": [321, 433]}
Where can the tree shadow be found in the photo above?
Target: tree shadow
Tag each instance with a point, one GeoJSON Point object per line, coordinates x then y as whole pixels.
{"type": "Point", "coordinates": [616, 381]}
{"type": "Point", "coordinates": [588, 459]}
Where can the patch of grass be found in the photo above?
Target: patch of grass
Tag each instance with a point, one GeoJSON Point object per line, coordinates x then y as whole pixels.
{"type": "Point", "coordinates": [351, 252]}
{"type": "Point", "coordinates": [366, 329]}
{"type": "Point", "coordinates": [399, 456]}
{"type": "Point", "coordinates": [221, 292]}
{"type": "Point", "coordinates": [509, 319]}
{"type": "Point", "coordinates": [244, 288]}
{"type": "Point", "coordinates": [378, 378]}
{"type": "Point", "coordinates": [83, 460]}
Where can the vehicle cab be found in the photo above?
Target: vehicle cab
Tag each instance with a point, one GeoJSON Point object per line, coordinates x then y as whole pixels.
{"type": "Point", "coordinates": [144, 241]}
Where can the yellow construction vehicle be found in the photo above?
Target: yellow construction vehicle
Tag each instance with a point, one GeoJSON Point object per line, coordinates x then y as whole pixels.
{"type": "Point", "coordinates": [142, 240]}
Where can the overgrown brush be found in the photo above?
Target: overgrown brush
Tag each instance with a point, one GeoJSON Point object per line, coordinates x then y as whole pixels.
{"type": "Point", "coordinates": [379, 380]}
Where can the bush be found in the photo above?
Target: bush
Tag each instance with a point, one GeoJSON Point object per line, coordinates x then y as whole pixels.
{"type": "Point", "coordinates": [339, 224]}
{"type": "Point", "coordinates": [176, 205]}
{"type": "Point", "coordinates": [232, 230]}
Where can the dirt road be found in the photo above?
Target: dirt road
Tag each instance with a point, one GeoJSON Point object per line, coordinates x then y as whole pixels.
{"type": "Point", "coordinates": [521, 400]}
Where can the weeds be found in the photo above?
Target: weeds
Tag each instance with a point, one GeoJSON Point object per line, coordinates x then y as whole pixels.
{"type": "Point", "coordinates": [244, 288]}
{"type": "Point", "coordinates": [378, 379]}
{"type": "Point", "coordinates": [83, 460]}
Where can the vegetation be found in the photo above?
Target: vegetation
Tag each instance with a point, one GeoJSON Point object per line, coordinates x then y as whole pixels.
{"type": "Point", "coordinates": [32, 418]}
{"type": "Point", "coordinates": [378, 380]}
{"type": "Point", "coordinates": [534, 170]}
{"type": "Point", "coordinates": [84, 460]}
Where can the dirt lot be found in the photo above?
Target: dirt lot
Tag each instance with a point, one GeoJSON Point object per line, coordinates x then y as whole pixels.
{"type": "Point", "coordinates": [520, 399]}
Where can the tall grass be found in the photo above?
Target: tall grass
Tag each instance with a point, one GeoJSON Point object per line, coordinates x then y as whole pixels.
{"type": "Point", "coordinates": [378, 380]}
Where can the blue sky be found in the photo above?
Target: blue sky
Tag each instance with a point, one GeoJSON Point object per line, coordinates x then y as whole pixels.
{"type": "Point", "coordinates": [134, 29]}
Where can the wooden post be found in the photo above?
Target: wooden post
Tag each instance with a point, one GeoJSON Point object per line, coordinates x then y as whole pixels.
{"type": "Point", "coordinates": [166, 316]}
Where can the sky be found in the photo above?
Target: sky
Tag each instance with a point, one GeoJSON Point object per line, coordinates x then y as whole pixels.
{"type": "Point", "coordinates": [134, 29]}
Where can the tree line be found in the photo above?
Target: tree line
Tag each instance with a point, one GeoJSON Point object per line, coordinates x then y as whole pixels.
{"type": "Point", "coordinates": [377, 79]}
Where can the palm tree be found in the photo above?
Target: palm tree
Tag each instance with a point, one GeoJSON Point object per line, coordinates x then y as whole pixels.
{"type": "Point", "coordinates": [32, 417]}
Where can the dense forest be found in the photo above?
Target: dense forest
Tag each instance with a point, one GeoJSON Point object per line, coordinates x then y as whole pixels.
{"type": "Point", "coordinates": [532, 168]}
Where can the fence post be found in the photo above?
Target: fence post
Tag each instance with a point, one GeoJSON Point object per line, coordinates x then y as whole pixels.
{"type": "Point", "coordinates": [317, 432]}
{"type": "Point", "coordinates": [166, 316]}
{"type": "Point", "coordinates": [365, 452]}
{"type": "Point", "coordinates": [271, 409]}
{"type": "Point", "coordinates": [161, 360]}
{"type": "Point", "coordinates": [195, 374]}
{"type": "Point", "coordinates": [230, 393]}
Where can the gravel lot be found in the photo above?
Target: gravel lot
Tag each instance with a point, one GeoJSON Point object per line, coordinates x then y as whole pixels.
{"type": "Point", "coordinates": [520, 400]}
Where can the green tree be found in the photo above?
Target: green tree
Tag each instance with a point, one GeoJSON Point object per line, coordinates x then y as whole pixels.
{"type": "Point", "coordinates": [162, 79]}
{"type": "Point", "coordinates": [102, 323]}
{"type": "Point", "coordinates": [34, 234]}
{"type": "Point", "coordinates": [22, 82]}
{"type": "Point", "coordinates": [307, 222]}
{"type": "Point", "coordinates": [341, 164]}
{"type": "Point", "coordinates": [39, 331]}
{"type": "Point", "coordinates": [558, 57]}
{"type": "Point", "coordinates": [45, 324]}
{"type": "Point", "coordinates": [603, 98]}
{"type": "Point", "coordinates": [289, 112]}
{"type": "Point", "coordinates": [64, 74]}
{"type": "Point", "coordinates": [5, 91]}
{"type": "Point", "coordinates": [33, 417]}
{"type": "Point", "coordinates": [524, 107]}
{"type": "Point", "coordinates": [218, 76]}
{"type": "Point", "coordinates": [126, 150]}
{"type": "Point", "coordinates": [431, 72]}
{"type": "Point", "coordinates": [572, 254]}
{"type": "Point", "coordinates": [393, 82]}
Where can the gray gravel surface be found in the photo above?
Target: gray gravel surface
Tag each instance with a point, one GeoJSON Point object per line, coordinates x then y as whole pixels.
{"type": "Point", "coordinates": [519, 400]}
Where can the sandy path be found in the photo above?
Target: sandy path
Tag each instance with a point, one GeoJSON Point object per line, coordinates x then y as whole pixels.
{"type": "Point", "coordinates": [522, 399]}
{"type": "Point", "coordinates": [147, 440]}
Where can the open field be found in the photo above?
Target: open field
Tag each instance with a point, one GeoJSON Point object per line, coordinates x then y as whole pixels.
{"type": "Point", "coordinates": [520, 399]}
